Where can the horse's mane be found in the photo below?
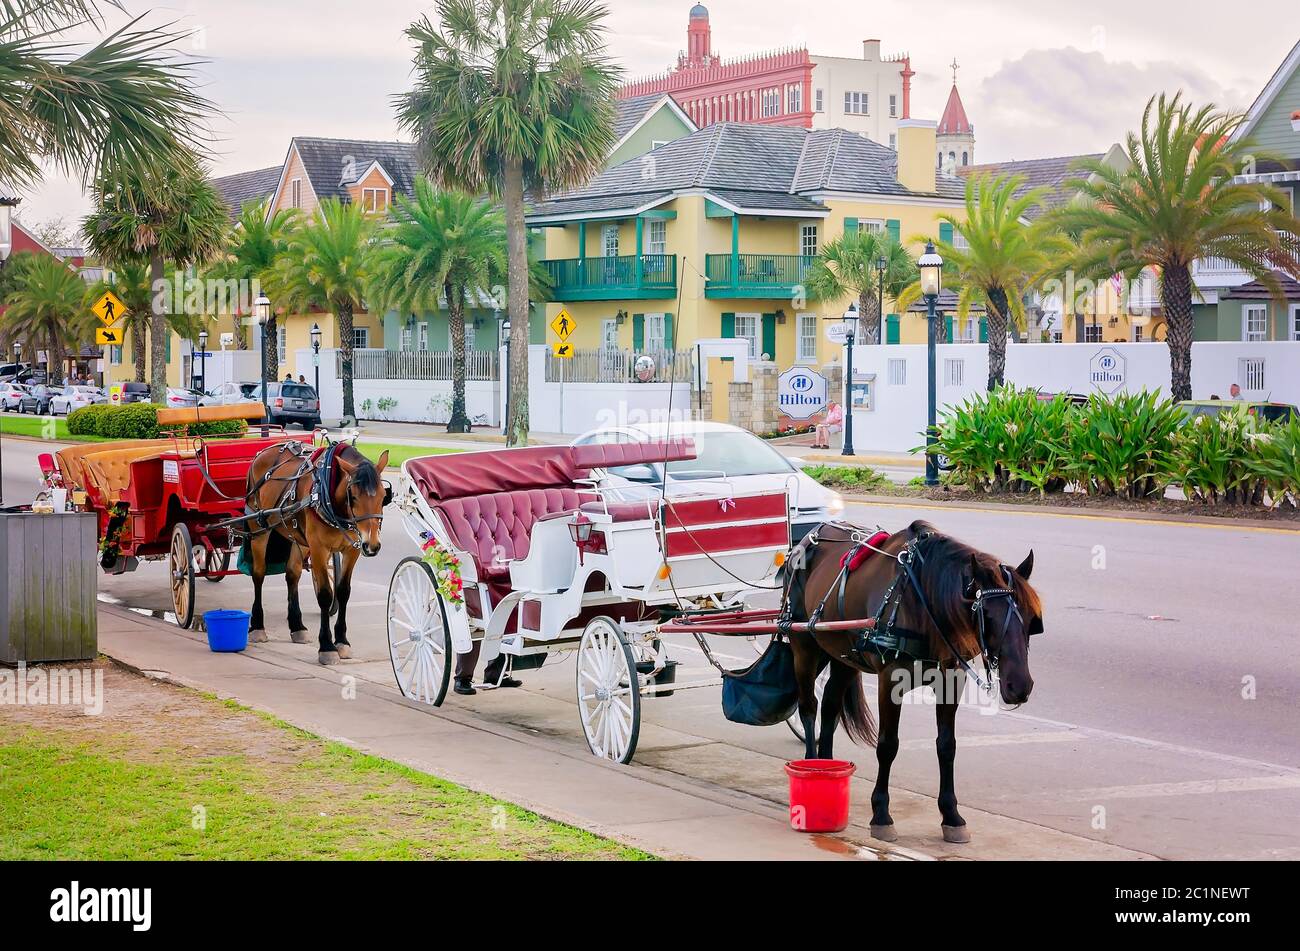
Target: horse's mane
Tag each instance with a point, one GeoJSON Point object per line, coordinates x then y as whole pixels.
{"type": "Point", "coordinates": [365, 476]}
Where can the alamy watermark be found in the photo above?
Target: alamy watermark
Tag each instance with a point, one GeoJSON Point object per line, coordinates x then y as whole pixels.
{"type": "Point", "coordinates": [53, 686]}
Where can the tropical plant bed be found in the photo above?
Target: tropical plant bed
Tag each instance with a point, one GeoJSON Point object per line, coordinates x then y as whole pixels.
{"type": "Point", "coordinates": [164, 772]}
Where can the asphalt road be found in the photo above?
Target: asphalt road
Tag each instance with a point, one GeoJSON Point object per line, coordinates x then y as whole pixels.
{"type": "Point", "coordinates": [1163, 719]}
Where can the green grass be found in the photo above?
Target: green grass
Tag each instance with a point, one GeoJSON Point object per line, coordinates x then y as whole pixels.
{"type": "Point", "coordinates": [40, 427]}
{"type": "Point", "coordinates": [92, 795]}
{"type": "Point", "coordinates": [399, 452]}
{"type": "Point", "coordinates": [863, 478]}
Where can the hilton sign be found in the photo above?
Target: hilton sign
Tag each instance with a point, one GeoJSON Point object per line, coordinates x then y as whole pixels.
{"type": "Point", "coordinates": [1107, 371]}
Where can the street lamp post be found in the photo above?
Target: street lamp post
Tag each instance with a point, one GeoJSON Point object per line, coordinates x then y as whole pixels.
{"type": "Point", "coordinates": [203, 361]}
{"type": "Point", "coordinates": [18, 351]}
{"type": "Point", "coordinates": [850, 324]}
{"type": "Point", "coordinates": [882, 266]}
{"type": "Point", "coordinates": [262, 309]}
{"type": "Point", "coordinates": [931, 268]}
{"type": "Point", "coordinates": [504, 341]}
{"type": "Point", "coordinates": [315, 358]}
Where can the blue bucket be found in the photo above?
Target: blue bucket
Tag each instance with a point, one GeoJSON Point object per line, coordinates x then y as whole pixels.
{"type": "Point", "coordinates": [227, 630]}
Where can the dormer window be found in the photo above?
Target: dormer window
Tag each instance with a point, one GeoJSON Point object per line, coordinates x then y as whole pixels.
{"type": "Point", "coordinates": [374, 199]}
{"type": "Point", "coordinates": [295, 193]}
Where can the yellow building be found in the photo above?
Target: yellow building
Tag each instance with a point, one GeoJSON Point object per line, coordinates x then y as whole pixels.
{"type": "Point", "coordinates": [712, 235]}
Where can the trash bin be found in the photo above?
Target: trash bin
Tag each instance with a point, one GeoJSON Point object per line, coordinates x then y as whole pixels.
{"type": "Point", "coordinates": [48, 583]}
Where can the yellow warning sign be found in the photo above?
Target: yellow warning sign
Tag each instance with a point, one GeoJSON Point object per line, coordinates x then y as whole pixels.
{"type": "Point", "coordinates": [564, 325]}
{"type": "Point", "coordinates": [563, 350]}
{"type": "Point", "coordinates": [108, 309]}
{"type": "Point", "coordinates": [108, 336]}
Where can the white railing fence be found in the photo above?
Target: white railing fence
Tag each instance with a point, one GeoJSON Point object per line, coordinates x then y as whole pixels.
{"type": "Point", "coordinates": [618, 366]}
{"type": "Point", "coordinates": [376, 364]}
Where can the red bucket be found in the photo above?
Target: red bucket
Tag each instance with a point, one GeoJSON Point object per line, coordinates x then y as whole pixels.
{"type": "Point", "coordinates": [819, 794]}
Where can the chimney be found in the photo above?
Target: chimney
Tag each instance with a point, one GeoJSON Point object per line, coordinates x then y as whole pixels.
{"type": "Point", "coordinates": [917, 150]}
{"type": "Point", "coordinates": [871, 51]}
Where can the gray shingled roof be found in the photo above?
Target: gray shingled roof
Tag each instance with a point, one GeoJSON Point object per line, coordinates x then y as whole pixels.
{"type": "Point", "coordinates": [1049, 173]}
{"type": "Point", "coordinates": [236, 190]}
{"type": "Point", "coordinates": [775, 167]}
{"type": "Point", "coordinates": [628, 112]}
{"type": "Point", "coordinates": [333, 164]}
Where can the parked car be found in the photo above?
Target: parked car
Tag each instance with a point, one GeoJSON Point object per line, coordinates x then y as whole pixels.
{"type": "Point", "coordinates": [1273, 412]}
{"type": "Point", "coordinates": [228, 394]}
{"type": "Point", "coordinates": [178, 397]}
{"type": "Point", "coordinates": [9, 371]}
{"type": "Point", "coordinates": [131, 392]}
{"type": "Point", "coordinates": [74, 397]}
{"type": "Point", "coordinates": [1074, 399]}
{"type": "Point", "coordinates": [724, 454]}
{"type": "Point", "coordinates": [31, 377]}
{"type": "Point", "coordinates": [11, 396]}
{"type": "Point", "coordinates": [37, 400]}
{"type": "Point", "coordinates": [288, 403]}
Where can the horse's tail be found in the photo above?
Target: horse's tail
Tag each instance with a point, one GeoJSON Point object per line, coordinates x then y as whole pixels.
{"type": "Point", "coordinates": [855, 715]}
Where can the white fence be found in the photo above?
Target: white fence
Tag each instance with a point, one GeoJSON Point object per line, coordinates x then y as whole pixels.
{"type": "Point", "coordinates": [896, 417]}
{"type": "Point", "coordinates": [573, 408]}
{"type": "Point", "coordinates": [420, 364]}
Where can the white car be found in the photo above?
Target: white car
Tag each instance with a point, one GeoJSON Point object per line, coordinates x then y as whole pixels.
{"type": "Point", "coordinates": [178, 397]}
{"type": "Point", "coordinates": [75, 397]}
{"type": "Point", "coordinates": [726, 454]}
{"type": "Point", "coordinates": [228, 394]}
{"type": "Point", "coordinates": [11, 396]}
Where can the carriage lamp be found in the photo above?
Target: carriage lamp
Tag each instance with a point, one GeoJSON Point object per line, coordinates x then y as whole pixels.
{"type": "Point", "coordinates": [931, 268]}
{"type": "Point", "coordinates": [315, 337]}
{"type": "Point", "coordinates": [580, 530]}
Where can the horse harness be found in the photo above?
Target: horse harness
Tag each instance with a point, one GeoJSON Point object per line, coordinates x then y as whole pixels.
{"type": "Point", "coordinates": [885, 639]}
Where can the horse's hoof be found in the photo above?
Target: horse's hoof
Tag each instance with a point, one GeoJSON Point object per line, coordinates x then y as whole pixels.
{"type": "Point", "coordinates": [300, 637]}
{"type": "Point", "coordinates": [958, 835]}
{"type": "Point", "coordinates": [328, 658]}
{"type": "Point", "coordinates": [344, 650]}
{"type": "Point", "coordinates": [884, 833]}
{"type": "Point", "coordinates": [258, 636]}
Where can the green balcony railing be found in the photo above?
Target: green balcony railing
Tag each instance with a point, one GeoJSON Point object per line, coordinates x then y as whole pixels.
{"type": "Point", "coordinates": [755, 275]}
{"type": "Point", "coordinates": [645, 276]}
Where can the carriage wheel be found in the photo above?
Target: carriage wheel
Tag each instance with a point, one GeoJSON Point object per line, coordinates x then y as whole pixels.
{"type": "Point", "coordinates": [609, 694]}
{"type": "Point", "coordinates": [180, 568]}
{"type": "Point", "coordinates": [419, 641]}
{"type": "Point", "coordinates": [210, 561]}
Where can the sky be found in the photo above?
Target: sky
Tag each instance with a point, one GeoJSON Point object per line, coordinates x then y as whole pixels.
{"type": "Point", "coordinates": [1041, 79]}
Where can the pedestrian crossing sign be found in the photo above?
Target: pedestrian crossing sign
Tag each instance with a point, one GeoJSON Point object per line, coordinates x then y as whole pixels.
{"type": "Point", "coordinates": [564, 350]}
{"type": "Point", "coordinates": [108, 336]}
{"type": "Point", "coordinates": [564, 325]}
{"type": "Point", "coordinates": [109, 309]}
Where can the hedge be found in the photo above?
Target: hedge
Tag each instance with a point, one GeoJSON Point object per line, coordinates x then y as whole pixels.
{"type": "Point", "coordinates": [1133, 445]}
{"type": "Point", "coordinates": [140, 421]}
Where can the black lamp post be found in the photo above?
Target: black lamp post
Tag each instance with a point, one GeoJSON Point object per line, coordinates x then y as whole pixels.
{"type": "Point", "coordinates": [203, 361]}
{"type": "Point", "coordinates": [931, 268]}
{"type": "Point", "coordinates": [850, 325]}
{"type": "Point", "coordinates": [262, 310]}
{"type": "Point", "coordinates": [882, 266]}
{"type": "Point", "coordinates": [315, 356]}
{"type": "Point", "coordinates": [503, 321]}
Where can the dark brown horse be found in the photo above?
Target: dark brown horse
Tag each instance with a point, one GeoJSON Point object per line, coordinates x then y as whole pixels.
{"type": "Point", "coordinates": [944, 604]}
{"type": "Point", "coordinates": [318, 505]}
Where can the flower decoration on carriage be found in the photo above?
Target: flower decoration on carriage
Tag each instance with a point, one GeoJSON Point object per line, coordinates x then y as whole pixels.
{"type": "Point", "coordinates": [446, 569]}
{"type": "Point", "coordinates": [726, 504]}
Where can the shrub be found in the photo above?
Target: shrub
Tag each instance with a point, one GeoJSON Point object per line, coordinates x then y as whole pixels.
{"type": "Point", "coordinates": [1277, 461]}
{"type": "Point", "coordinates": [1124, 445]}
{"type": "Point", "coordinates": [133, 421]}
{"type": "Point", "coordinates": [219, 427]}
{"type": "Point", "coordinates": [854, 477]}
{"type": "Point", "coordinates": [88, 420]}
{"type": "Point", "coordinates": [1007, 440]}
{"type": "Point", "coordinates": [1223, 458]}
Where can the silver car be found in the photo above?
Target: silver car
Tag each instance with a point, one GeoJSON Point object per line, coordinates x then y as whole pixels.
{"type": "Point", "coordinates": [11, 396]}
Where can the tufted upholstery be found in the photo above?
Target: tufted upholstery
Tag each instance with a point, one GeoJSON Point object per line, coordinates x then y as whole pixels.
{"type": "Point", "coordinates": [109, 472]}
{"type": "Point", "coordinates": [495, 528]}
{"type": "Point", "coordinates": [611, 455]}
{"type": "Point", "coordinates": [72, 459]}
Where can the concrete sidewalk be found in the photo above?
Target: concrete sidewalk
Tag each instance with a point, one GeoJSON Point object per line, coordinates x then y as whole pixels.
{"type": "Point", "coordinates": [666, 814]}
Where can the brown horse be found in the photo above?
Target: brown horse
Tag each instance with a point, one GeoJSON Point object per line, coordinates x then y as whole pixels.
{"type": "Point", "coordinates": [331, 501]}
{"type": "Point", "coordinates": [943, 604]}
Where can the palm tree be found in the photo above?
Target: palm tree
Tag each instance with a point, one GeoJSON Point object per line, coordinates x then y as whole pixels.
{"type": "Point", "coordinates": [124, 102]}
{"type": "Point", "coordinates": [47, 303]}
{"type": "Point", "coordinates": [174, 214]}
{"type": "Point", "coordinates": [848, 266]}
{"type": "Point", "coordinates": [1002, 259]}
{"type": "Point", "coordinates": [255, 242]}
{"type": "Point", "coordinates": [448, 244]}
{"type": "Point", "coordinates": [326, 264]}
{"type": "Point", "coordinates": [512, 96]}
{"type": "Point", "coordinates": [1179, 201]}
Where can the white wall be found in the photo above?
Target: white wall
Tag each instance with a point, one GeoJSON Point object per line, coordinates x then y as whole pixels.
{"type": "Point", "coordinates": [898, 417]}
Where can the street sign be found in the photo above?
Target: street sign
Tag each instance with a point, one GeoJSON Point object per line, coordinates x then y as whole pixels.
{"type": "Point", "coordinates": [836, 333]}
{"type": "Point", "coordinates": [108, 309]}
{"type": "Point", "coordinates": [801, 392]}
{"type": "Point", "coordinates": [563, 350]}
{"type": "Point", "coordinates": [564, 325]}
{"type": "Point", "coordinates": [108, 336]}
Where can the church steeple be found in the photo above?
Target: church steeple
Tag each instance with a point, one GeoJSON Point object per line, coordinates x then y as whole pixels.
{"type": "Point", "coordinates": [955, 136]}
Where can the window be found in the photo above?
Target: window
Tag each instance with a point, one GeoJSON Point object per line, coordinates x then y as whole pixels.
{"type": "Point", "coordinates": [1137, 334]}
{"type": "Point", "coordinates": [360, 338]}
{"type": "Point", "coordinates": [808, 240]}
{"type": "Point", "coordinates": [855, 103]}
{"type": "Point", "coordinates": [295, 193]}
{"type": "Point", "coordinates": [808, 337]}
{"type": "Point", "coordinates": [654, 332]}
{"type": "Point", "coordinates": [657, 238]}
{"type": "Point", "coordinates": [770, 102]}
{"type": "Point", "coordinates": [897, 370]}
{"type": "Point", "coordinates": [893, 105]}
{"type": "Point", "coordinates": [794, 98]}
{"type": "Point", "coordinates": [874, 225]}
{"type": "Point", "coordinates": [424, 337]}
{"type": "Point", "coordinates": [282, 342]}
{"type": "Point", "coordinates": [1250, 373]}
{"type": "Point", "coordinates": [609, 240]}
{"type": "Point", "coordinates": [1295, 323]}
{"type": "Point", "coordinates": [658, 144]}
{"type": "Point", "coordinates": [819, 98]}
{"type": "Point", "coordinates": [405, 345]}
{"type": "Point", "coordinates": [374, 199]}
{"type": "Point", "coordinates": [893, 141]}
{"type": "Point", "coordinates": [747, 327]}
{"type": "Point", "coordinates": [954, 372]}
{"type": "Point", "coordinates": [609, 334]}
{"type": "Point", "coordinates": [1254, 322]}
{"type": "Point", "coordinates": [470, 330]}
{"type": "Point", "coordinates": [1091, 333]}
{"type": "Point", "coordinates": [965, 159]}
{"type": "Point", "coordinates": [116, 354]}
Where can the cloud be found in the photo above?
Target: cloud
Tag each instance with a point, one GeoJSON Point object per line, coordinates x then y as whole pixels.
{"type": "Point", "coordinates": [1067, 101]}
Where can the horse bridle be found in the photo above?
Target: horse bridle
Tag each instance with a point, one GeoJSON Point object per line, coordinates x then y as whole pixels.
{"type": "Point", "coordinates": [982, 595]}
{"type": "Point", "coordinates": [322, 502]}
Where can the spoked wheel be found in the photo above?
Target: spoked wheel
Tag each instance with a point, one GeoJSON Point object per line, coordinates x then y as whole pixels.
{"type": "Point", "coordinates": [180, 568]}
{"type": "Point", "coordinates": [210, 562]}
{"type": "Point", "coordinates": [419, 642]}
{"type": "Point", "coordinates": [609, 695]}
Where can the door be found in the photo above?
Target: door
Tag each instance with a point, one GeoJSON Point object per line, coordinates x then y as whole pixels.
{"type": "Point", "coordinates": [611, 358]}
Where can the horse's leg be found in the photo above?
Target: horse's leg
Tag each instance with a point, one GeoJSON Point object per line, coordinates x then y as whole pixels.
{"type": "Point", "coordinates": [256, 623]}
{"type": "Point", "coordinates": [320, 573]}
{"type": "Point", "coordinates": [882, 824]}
{"type": "Point", "coordinates": [832, 702]}
{"type": "Point", "coordinates": [954, 826]}
{"type": "Point", "coordinates": [342, 589]}
{"type": "Point", "coordinates": [806, 653]}
{"type": "Point", "coordinates": [292, 575]}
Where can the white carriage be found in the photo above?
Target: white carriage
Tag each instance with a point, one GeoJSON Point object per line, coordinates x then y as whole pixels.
{"type": "Point", "coordinates": [550, 562]}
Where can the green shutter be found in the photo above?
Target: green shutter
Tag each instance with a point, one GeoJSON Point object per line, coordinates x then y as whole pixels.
{"type": "Point", "coordinates": [945, 232]}
{"type": "Point", "coordinates": [728, 325]}
{"type": "Point", "coordinates": [891, 329]}
{"type": "Point", "coordinates": [947, 323]}
{"type": "Point", "coordinates": [168, 357]}
{"type": "Point", "coordinates": [670, 342]}
{"type": "Point", "coordinates": [895, 229]}
{"type": "Point", "coordinates": [850, 225]}
{"type": "Point", "coordinates": [984, 330]}
{"type": "Point", "coordinates": [769, 335]}
{"type": "Point", "coordinates": [638, 331]}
